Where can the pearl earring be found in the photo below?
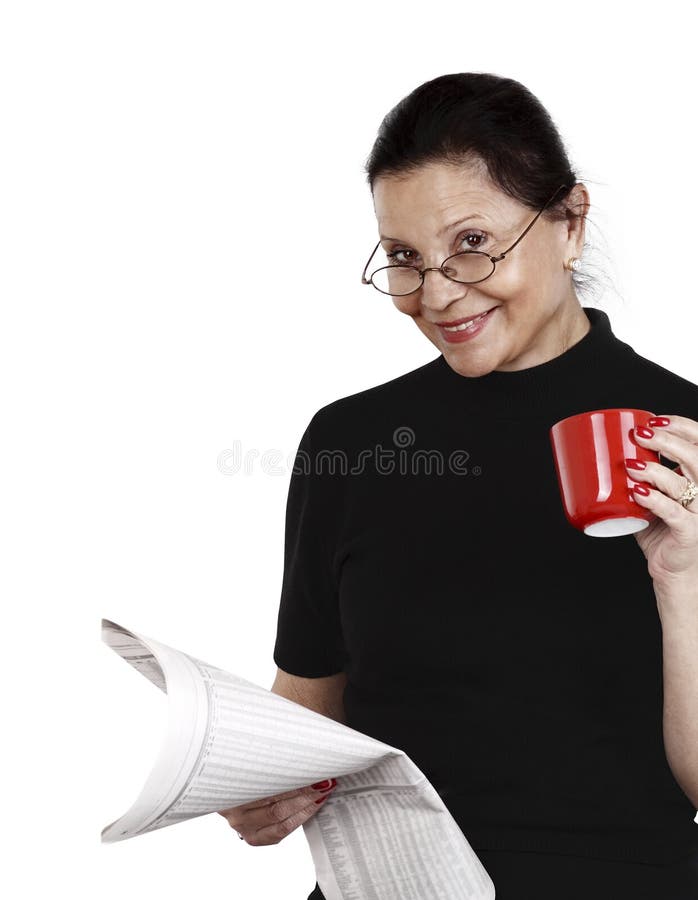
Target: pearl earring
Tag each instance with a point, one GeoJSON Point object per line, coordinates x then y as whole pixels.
{"type": "Point", "coordinates": [573, 264]}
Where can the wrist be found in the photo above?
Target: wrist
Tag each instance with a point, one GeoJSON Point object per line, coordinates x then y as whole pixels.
{"type": "Point", "coordinates": [678, 595]}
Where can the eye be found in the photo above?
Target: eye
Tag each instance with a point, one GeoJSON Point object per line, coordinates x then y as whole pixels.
{"type": "Point", "coordinates": [395, 254]}
{"type": "Point", "coordinates": [479, 236]}
{"type": "Point", "coordinates": [482, 240]}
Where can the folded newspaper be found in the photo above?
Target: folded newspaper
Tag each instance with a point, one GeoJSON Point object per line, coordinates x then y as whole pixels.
{"type": "Point", "coordinates": [383, 833]}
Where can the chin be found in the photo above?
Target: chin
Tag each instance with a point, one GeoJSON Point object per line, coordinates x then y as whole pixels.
{"type": "Point", "coordinates": [470, 368]}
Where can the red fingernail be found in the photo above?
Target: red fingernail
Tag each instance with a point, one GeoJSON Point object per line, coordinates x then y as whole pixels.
{"type": "Point", "coordinates": [321, 799]}
{"type": "Point", "coordinates": [641, 489]}
{"type": "Point", "coordinates": [333, 784]}
{"type": "Point", "coordinates": [659, 420]}
{"type": "Point", "coordinates": [322, 785]}
{"type": "Point", "coordinates": [635, 463]}
{"type": "Point", "coordinates": [644, 432]}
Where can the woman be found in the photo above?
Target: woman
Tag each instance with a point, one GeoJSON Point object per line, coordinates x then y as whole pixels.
{"type": "Point", "coordinates": [434, 595]}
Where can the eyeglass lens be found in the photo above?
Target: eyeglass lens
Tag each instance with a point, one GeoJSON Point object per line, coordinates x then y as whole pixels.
{"type": "Point", "coordinates": [399, 279]}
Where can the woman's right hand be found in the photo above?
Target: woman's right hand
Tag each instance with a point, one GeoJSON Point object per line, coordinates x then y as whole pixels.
{"type": "Point", "coordinates": [270, 820]}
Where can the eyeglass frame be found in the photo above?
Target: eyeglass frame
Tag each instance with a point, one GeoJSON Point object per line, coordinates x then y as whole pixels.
{"type": "Point", "coordinates": [494, 259]}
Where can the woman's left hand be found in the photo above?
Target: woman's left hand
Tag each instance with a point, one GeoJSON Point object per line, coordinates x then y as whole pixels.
{"type": "Point", "coordinates": [670, 541]}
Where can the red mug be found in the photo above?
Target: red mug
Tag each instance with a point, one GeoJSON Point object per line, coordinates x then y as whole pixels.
{"type": "Point", "coordinates": [590, 450]}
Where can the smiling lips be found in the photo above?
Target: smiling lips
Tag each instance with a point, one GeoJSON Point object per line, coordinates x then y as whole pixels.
{"type": "Point", "coordinates": [464, 321]}
{"type": "Point", "coordinates": [468, 329]}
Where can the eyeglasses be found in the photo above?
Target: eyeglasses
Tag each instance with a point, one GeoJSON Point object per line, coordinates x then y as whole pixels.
{"type": "Point", "coordinates": [465, 267]}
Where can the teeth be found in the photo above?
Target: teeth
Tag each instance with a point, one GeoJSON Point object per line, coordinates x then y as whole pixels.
{"type": "Point", "coordinates": [465, 325]}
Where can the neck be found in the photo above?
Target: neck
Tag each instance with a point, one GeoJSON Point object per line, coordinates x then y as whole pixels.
{"type": "Point", "coordinates": [591, 359]}
{"type": "Point", "coordinates": [568, 326]}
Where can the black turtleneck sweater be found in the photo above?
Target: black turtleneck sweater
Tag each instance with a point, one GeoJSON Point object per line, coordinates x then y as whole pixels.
{"type": "Point", "coordinates": [517, 661]}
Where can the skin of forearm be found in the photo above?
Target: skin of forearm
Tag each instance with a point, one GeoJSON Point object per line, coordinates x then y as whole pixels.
{"type": "Point", "coordinates": [678, 610]}
{"type": "Point", "coordinates": [322, 695]}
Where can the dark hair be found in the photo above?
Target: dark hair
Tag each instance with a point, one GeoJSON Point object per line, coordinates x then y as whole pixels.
{"type": "Point", "coordinates": [475, 116]}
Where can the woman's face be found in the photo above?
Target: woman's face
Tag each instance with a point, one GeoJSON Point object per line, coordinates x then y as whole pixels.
{"type": "Point", "coordinates": [535, 314]}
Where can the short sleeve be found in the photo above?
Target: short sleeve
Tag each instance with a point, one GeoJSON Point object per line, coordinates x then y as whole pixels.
{"type": "Point", "coordinates": [309, 639]}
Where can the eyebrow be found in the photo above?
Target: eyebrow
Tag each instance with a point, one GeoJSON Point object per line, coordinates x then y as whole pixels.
{"type": "Point", "coordinates": [441, 230]}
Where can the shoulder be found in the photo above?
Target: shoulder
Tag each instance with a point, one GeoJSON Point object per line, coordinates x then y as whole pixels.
{"type": "Point", "coordinates": [354, 413]}
{"type": "Point", "coordinates": [666, 390]}
{"type": "Point", "coordinates": [664, 375]}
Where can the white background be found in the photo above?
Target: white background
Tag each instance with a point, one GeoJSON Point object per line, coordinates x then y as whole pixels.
{"type": "Point", "coordinates": [178, 182]}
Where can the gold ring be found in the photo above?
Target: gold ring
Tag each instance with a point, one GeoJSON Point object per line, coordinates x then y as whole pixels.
{"type": "Point", "coordinates": [689, 494]}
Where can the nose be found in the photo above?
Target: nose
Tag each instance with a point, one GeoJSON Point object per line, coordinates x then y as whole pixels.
{"type": "Point", "coordinates": [438, 291]}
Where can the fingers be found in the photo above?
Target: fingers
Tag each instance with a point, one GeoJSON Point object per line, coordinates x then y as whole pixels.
{"type": "Point", "coordinates": [681, 425]}
{"type": "Point", "coordinates": [662, 502]}
{"type": "Point", "coordinates": [675, 437]}
{"type": "Point", "coordinates": [269, 820]}
{"type": "Point", "coordinates": [657, 475]}
{"type": "Point", "coordinates": [307, 791]}
{"type": "Point", "coordinates": [278, 830]}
